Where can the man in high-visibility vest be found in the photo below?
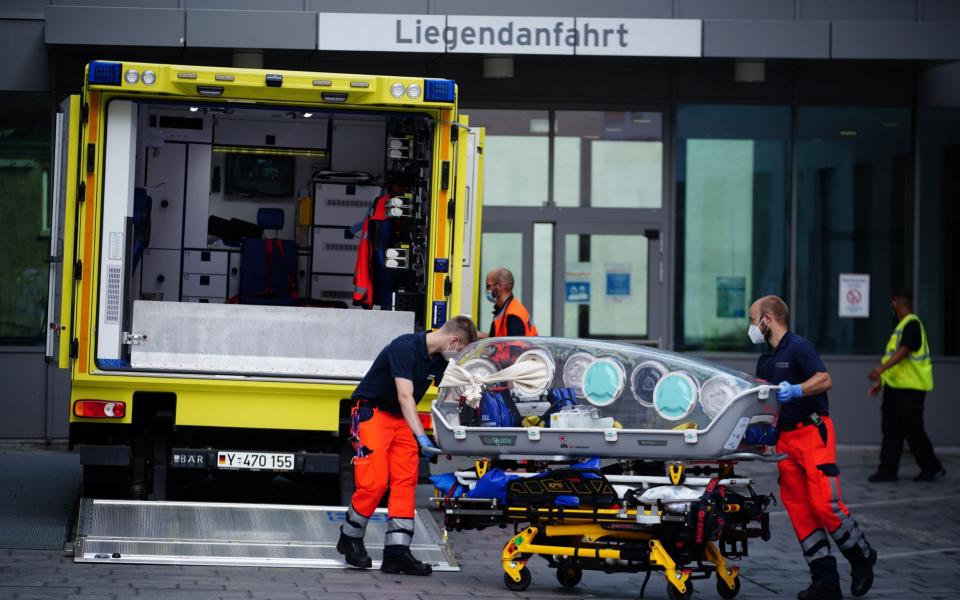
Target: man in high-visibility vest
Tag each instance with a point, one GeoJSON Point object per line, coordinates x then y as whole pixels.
{"type": "Point", "coordinates": [510, 316]}
{"type": "Point", "coordinates": [905, 375]}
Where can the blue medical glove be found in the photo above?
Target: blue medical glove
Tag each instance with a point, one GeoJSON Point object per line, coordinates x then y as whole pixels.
{"type": "Point", "coordinates": [789, 391]}
{"type": "Point", "coordinates": [427, 447]}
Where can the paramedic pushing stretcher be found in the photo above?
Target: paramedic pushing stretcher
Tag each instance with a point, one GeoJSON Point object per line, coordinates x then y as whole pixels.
{"type": "Point", "coordinates": [386, 430]}
{"type": "Point", "coordinates": [809, 476]}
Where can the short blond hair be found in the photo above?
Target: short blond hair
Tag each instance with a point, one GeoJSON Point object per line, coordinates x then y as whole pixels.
{"type": "Point", "coordinates": [463, 327]}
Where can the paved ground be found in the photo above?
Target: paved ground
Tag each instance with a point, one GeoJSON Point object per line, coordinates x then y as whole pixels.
{"type": "Point", "coordinates": [916, 528]}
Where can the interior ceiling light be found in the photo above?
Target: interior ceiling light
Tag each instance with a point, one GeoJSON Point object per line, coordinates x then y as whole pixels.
{"type": "Point", "coordinates": [307, 115]}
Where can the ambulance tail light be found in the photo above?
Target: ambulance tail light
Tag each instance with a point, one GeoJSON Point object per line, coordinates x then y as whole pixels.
{"type": "Point", "coordinates": [439, 90]}
{"type": "Point", "coordinates": [426, 420]}
{"type": "Point", "coordinates": [105, 73]}
{"type": "Point", "coordinates": [99, 409]}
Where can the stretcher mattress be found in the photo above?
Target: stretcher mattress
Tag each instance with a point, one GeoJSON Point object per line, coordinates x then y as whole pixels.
{"type": "Point", "coordinates": [570, 397]}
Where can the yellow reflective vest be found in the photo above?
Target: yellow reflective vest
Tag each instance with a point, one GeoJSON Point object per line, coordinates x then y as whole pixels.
{"type": "Point", "coordinates": [915, 371]}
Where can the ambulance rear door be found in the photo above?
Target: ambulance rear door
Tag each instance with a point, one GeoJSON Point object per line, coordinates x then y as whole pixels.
{"type": "Point", "coordinates": [465, 258]}
{"type": "Point", "coordinates": [63, 201]}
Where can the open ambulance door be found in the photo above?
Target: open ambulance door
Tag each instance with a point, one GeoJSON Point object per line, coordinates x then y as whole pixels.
{"type": "Point", "coordinates": [465, 267]}
{"type": "Point", "coordinates": [62, 231]}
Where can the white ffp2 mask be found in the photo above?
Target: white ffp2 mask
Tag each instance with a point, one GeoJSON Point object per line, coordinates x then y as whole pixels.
{"type": "Point", "coordinates": [755, 335]}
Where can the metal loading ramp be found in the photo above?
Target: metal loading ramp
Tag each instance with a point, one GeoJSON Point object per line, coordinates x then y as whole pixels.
{"type": "Point", "coordinates": [221, 534]}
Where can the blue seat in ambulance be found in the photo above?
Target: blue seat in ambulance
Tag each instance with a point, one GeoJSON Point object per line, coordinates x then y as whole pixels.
{"type": "Point", "coordinates": [268, 265]}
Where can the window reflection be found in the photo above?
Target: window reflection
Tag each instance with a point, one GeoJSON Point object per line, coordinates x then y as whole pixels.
{"type": "Point", "coordinates": [516, 156]}
{"type": "Point", "coordinates": [939, 224]}
{"type": "Point", "coordinates": [732, 189]}
{"type": "Point", "coordinates": [854, 215]}
{"type": "Point", "coordinates": [25, 219]}
{"type": "Point", "coordinates": [608, 159]}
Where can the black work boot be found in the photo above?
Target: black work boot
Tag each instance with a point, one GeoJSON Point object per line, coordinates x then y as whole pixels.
{"type": "Point", "coordinates": [861, 574]}
{"type": "Point", "coordinates": [820, 590]}
{"type": "Point", "coordinates": [826, 581]}
{"type": "Point", "coordinates": [397, 559]}
{"type": "Point", "coordinates": [354, 552]}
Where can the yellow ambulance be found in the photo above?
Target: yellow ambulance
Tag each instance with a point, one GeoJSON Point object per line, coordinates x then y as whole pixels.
{"type": "Point", "coordinates": [232, 247]}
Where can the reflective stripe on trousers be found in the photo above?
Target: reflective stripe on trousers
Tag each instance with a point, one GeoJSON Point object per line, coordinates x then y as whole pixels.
{"type": "Point", "coordinates": [354, 524]}
{"type": "Point", "coordinates": [399, 532]}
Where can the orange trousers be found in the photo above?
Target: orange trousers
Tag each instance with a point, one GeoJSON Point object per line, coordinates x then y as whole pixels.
{"type": "Point", "coordinates": [390, 458]}
{"type": "Point", "coordinates": [810, 490]}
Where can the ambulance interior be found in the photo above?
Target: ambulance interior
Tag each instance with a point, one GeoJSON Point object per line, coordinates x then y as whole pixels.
{"type": "Point", "coordinates": [257, 207]}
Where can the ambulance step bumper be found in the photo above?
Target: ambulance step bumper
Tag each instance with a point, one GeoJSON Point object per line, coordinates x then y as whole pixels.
{"type": "Point", "coordinates": [221, 534]}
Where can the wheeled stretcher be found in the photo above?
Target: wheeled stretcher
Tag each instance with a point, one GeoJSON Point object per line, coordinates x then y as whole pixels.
{"type": "Point", "coordinates": [688, 523]}
{"type": "Point", "coordinates": [670, 430]}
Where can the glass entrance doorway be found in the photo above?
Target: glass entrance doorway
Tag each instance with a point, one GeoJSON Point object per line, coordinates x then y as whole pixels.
{"type": "Point", "coordinates": [608, 282]}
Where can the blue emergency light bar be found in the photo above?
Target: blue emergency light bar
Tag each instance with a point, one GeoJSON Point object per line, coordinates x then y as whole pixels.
{"type": "Point", "coordinates": [105, 73]}
{"type": "Point", "coordinates": [439, 90]}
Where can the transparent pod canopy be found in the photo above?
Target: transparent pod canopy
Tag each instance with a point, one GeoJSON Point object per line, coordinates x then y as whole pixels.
{"type": "Point", "coordinates": [633, 387]}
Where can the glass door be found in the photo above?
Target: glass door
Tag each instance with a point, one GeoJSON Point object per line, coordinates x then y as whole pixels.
{"type": "Point", "coordinates": [608, 282]}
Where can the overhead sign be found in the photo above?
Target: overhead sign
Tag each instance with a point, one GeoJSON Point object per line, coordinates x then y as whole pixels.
{"type": "Point", "coordinates": [854, 295]}
{"type": "Point", "coordinates": [509, 35]}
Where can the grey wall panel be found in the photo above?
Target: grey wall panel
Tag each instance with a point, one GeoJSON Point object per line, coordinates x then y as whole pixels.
{"type": "Point", "coordinates": [58, 403]}
{"type": "Point", "coordinates": [25, 62]}
{"type": "Point", "coordinates": [858, 10]}
{"type": "Point", "coordinates": [400, 7]}
{"type": "Point", "coordinates": [925, 41]}
{"type": "Point", "coordinates": [120, 3]}
{"type": "Point", "coordinates": [939, 10]}
{"type": "Point", "coordinates": [277, 5]}
{"type": "Point", "coordinates": [857, 415]}
{"type": "Point", "coordinates": [766, 39]}
{"type": "Point", "coordinates": [24, 393]}
{"type": "Point", "coordinates": [940, 85]}
{"type": "Point", "coordinates": [715, 82]}
{"type": "Point", "coordinates": [560, 8]}
{"type": "Point", "coordinates": [95, 26]}
{"type": "Point", "coordinates": [251, 29]}
{"type": "Point", "coordinates": [736, 9]}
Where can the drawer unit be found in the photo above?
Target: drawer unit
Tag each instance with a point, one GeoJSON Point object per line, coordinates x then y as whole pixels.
{"type": "Point", "coordinates": [332, 287]}
{"type": "Point", "coordinates": [343, 205]}
{"type": "Point", "coordinates": [334, 251]}
{"type": "Point", "coordinates": [160, 275]}
{"type": "Point", "coordinates": [205, 261]}
{"type": "Point", "coordinates": [205, 299]}
{"type": "Point", "coordinates": [211, 286]}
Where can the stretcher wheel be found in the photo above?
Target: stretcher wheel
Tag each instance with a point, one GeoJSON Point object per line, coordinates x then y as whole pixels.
{"type": "Point", "coordinates": [569, 576]}
{"type": "Point", "coordinates": [727, 592]}
{"type": "Point", "coordinates": [675, 594]}
{"type": "Point", "coordinates": [518, 586]}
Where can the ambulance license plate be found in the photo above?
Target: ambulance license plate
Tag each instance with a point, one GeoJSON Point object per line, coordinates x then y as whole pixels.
{"type": "Point", "coordinates": [255, 461]}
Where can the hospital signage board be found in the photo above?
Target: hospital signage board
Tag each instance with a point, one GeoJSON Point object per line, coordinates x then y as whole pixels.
{"type": "Point", "coordinates": [456, 34]}
{"type": "Point", "coordinates": [854, 295]}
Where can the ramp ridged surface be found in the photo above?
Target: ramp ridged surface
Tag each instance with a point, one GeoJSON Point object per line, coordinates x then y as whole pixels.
{"type": "Point", "coordinates": [193, 533]}
{"type": "Point", "coordinates": [37, 493]}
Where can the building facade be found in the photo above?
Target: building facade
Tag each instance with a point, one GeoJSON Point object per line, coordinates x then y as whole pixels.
{"type": "Point", "coordinates": [651, 166]}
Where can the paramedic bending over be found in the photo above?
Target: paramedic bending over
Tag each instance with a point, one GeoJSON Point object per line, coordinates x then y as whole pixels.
{"type": "Point", "coordinates": [809, 477]}
{"type": "Point", "coordinates": [386, 430]}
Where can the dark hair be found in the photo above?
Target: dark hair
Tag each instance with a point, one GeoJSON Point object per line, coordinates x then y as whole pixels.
{"type": "Point", "coordinates": [463, 327]}
{"type": "Point", "coordinates": [903, 296]}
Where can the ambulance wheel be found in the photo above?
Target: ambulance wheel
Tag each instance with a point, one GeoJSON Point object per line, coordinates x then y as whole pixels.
{"type": "Point", "coordinates": [569, 576]}
{"type": "Point", "coordinates": [518, 586]}
{"type": "Point", "coordinates": [728, 592]}
{"type": "Point", "coordinates": [675, 594]}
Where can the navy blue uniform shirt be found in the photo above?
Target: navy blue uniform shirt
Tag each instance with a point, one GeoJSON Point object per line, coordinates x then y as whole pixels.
{"type": "Point", "coordinates": [405, 357]}
{"type": "Point", "coordinates": [794, 360]}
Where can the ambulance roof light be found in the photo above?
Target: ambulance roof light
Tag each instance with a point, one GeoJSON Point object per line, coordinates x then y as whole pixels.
{"type": "Point", "coordinates": [439, 90]}
{"type": "Point", "coordinates": [105, 73]}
